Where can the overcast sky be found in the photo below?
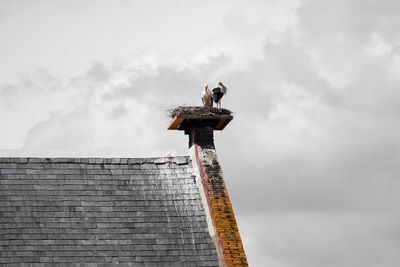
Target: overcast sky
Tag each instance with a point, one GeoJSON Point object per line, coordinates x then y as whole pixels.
{"type": "Point", "coordinates": [311, 159]}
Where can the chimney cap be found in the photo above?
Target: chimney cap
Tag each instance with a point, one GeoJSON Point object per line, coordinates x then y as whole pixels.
{"type": "Point", "coordinates": [185, 117]}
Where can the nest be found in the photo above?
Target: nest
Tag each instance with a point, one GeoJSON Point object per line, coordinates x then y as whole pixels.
{"type": "Point", "coordinates": [199, 112]}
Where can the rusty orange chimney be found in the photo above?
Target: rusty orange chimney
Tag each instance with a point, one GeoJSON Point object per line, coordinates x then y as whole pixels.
{"type": "Point", "coordinates": [199, 124]}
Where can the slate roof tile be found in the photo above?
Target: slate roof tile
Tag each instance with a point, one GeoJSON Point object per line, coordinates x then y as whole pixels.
{"type": "Point", "coordinates": [140, 212]}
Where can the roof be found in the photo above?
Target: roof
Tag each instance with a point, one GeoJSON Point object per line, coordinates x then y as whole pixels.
{"type": "Point", "coordinates": [141, 212]}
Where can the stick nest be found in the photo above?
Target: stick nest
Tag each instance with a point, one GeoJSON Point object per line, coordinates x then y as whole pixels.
{"type": "Point", "coordinates": [199, 112]}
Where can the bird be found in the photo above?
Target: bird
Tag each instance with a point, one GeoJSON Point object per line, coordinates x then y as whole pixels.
{"type": "Point", "coordinates": [206, 97]}
{"type": "Point", "coordinates": [218, 92]}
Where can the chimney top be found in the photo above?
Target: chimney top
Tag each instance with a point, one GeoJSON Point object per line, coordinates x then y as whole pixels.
{"type": "Point", "coordinates": [187, 118]}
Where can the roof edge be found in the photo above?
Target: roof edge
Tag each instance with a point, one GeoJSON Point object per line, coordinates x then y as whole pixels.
{"type": "Point", "coordinates": [95, 160]}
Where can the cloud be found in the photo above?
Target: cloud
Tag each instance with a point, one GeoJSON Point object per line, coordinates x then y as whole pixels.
{"type": "Point", "coordinates": [324, 239]}
{"type": "Point", "coordinates": [121, 107]}
{"type": "Point", "coordinates": [316, 133]}
{"type": "Point", "coordinates": [357, 19]}
{"type": "Point", "coordinates": [73, 130]}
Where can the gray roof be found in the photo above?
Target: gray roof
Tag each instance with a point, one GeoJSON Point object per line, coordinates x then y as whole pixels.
{"type": "Point", "coordinates": [140, 212]}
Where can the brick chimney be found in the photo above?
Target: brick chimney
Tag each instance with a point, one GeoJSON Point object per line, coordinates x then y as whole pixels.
{"type": "Point", "coordinates": [199, 123]}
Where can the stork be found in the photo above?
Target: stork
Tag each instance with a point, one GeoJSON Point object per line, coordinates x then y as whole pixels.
{"type": "Point", "coordinates": [206, 97]}
{"type": "Point", "coordinates": [218, 92]}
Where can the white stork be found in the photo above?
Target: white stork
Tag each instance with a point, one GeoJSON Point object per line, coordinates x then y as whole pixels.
{"type": "Point", "coordinates": [218, 92]}
{"type": "Point", "coordinates": [206, 97]}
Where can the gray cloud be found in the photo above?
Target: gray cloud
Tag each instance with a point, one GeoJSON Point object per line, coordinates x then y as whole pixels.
{"type": "Point", "coordinates": [317, 135]}
{"type": "Point", "coordinates": [356, 18]}
{"type": "Point", "coordinates": [73, 130]}
{"type": "Point", "coordinates": [120, 108]}
{"type": "Point", "coordinates": [325, 239]}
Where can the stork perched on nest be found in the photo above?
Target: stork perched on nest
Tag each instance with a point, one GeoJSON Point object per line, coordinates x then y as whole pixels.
{"type": "Point", "coordinates": [218, 92]}
{"type": "Point", "coordinates": [206, 96]}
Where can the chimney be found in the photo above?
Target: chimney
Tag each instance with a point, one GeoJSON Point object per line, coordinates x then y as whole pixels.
{"type": "Point", "coordinates": [199, 123]}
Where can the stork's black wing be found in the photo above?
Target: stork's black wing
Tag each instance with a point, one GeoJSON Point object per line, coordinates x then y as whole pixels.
{"type": "Point", "coordinates": [217, 94]}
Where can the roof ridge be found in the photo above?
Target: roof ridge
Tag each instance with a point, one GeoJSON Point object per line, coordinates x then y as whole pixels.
{"type": "Point", "coordinates": [98, 160]}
